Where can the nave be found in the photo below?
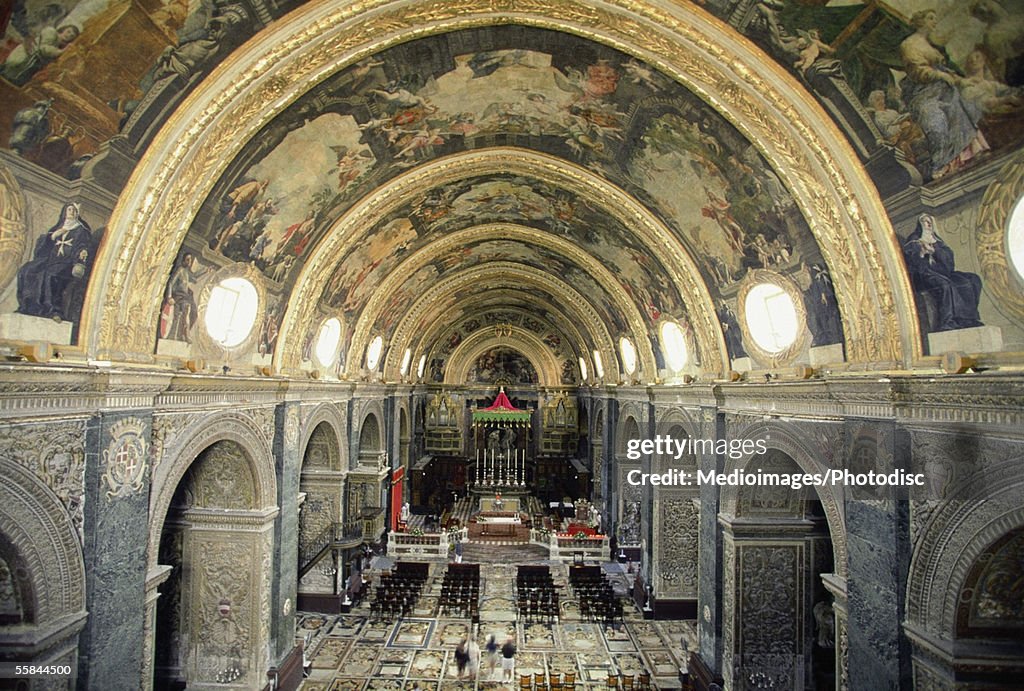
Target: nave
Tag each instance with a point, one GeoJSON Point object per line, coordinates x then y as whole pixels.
{"type": "Point", "coordinates": [361, 650]}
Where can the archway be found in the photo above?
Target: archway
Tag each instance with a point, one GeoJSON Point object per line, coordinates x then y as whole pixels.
{"type": "Point", "coordinates": [321, 567]}
{"type": "Point", "coordinates": [217, 540]}
{"type": "Point", "coordinates": [779, 625]}
{"type": "Point", "coordinates": [42, 573]}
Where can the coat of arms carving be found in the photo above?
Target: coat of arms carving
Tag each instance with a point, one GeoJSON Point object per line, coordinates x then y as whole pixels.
{"type": "Point", "coordinates": [125, 458]}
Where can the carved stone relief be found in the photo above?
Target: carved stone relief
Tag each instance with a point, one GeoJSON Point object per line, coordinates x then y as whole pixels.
{"type": "Point", "coordinates": [124, 459]}
{"type": "Point", "coordinates": [221, 478]}
{"type": "Point", "coordinates": [222, 603]}
{"type": "Point", "coordinates": [167, 432]}
{"type": "Point", "coordinates": [55, 453]}
{"type": "Point", "coordinates": [677, 539]}
{"type": "Point", "coordinates": [629, 517]}
{"type": "Point", "coordinates": [770, 615]}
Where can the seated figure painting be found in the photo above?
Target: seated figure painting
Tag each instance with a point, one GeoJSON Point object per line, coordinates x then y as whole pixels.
{"type": "Point", "coordinates": [930, 264]}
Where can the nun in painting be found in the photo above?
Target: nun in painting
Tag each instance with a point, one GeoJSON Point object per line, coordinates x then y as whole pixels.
{"type": "Point", "coordinates": [60, 261]}
{"type": "Point", "coordinates": [931, 267]}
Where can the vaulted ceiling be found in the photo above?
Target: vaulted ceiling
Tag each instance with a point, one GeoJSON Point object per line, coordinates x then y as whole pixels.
{"type": "Point", "coordinates": [575, 173]}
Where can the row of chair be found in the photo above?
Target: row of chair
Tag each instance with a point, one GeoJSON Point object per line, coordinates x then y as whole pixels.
{"type": "Point", "coordinates": [460, 590]}
{"type": "Point", "coordinates": [540, 682]}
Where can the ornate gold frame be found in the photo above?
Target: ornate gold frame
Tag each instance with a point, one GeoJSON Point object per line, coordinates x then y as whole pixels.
{"type": "Point", "coordinates": [788, 354]}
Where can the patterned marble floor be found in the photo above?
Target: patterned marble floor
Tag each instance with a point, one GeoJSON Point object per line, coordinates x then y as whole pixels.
{"type": "Point", "coordinates": [355, 652]}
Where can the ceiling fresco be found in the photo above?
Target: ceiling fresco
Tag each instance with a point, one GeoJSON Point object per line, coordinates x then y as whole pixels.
{"type": "Point", "coordinates": [82, 79]}
{"type": "Point", "coordinates": [556, 94]}
{"type": "Point", "coordinates": [76, 73]}
{"type": "Point", "coordinates": [876, 65]}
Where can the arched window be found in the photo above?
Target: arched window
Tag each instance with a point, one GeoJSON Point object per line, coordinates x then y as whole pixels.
{"type": "Point", "coordinates": [1015, 238]}
{"type": "Point", "coordinates": [406, 359]}
{"type": "Point", "coordinates": [673, 345]}
{"type": "Point", "coordinates": [327, 341]}
{"type": "Point", "coordinates": [583, 368]}
{"type": "Point", "coordinates": [373, 352]}
{"type": "Point", "coordinates": [598, 365]}
{"type": "Point", "coordinates": [628, 352]}
{"type": "Point", "coordinates": [231, 311]}
{"type": "Point", "coordinates": [771, 317]}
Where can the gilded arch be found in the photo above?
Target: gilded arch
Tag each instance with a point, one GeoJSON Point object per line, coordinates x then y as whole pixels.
{"type": "Point", "coordinates": [723, 69]}
{"type": "Point", "coordinates": [236, 427]}
{"type": "Point", "coordinates": [783, 436]}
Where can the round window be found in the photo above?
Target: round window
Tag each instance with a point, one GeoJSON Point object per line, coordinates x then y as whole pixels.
{"type": "Point", "coordinates": [673, 344]}
{"type": "Point", "coordinates": [406, 359]}
{"type": "Point", "coordinates": [231, 311]}
{"type": "Point", "coordinates": [628, 352]}
{"type": "Point", "coordinates": [1015, 238]}
{"type": "Point", "coordinates": [373, 352]}
{"type": "Point", "coordinates": [583, 368]}
{"type": "Point", "coordinates": [327, 341]}
{"type": "Point", "coordinates": [771, 317]}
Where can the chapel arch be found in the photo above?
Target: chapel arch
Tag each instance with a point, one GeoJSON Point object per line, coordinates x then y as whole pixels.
{"type": "Point", "coordinates": [42, 572]}
{"type": "Point", "coordinates": [781, 605]}
{"type": "Point", "coordinates": [322, 482]}
{"type": "Point", "coordinates": [215, 549]}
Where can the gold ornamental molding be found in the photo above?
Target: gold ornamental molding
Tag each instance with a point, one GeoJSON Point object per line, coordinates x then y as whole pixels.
{"type": "Point", "coordinates": [363, 218]}
{"type": "Point", "coordinates": [13, 237]}
{"type": "Point", "coordinates": [549, 371]}
{"type": "Point", "coordinates": [263, 77]}
{"type": "Point", "coordinates": [502, 275]}
{"type": "Point", "coordinates": [447, 246]}
{"type": "Point", "coordinates": [573, 340]}
{"type": "Point", "coordinates": [1001, 279]}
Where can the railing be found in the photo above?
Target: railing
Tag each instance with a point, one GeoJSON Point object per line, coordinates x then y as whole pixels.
{"type": "Point", "coordinates": [334, 535]}
{"type": "Point", "coordinates": [426, 544]}
{"type": "Point", "coordinates": [565, 547]}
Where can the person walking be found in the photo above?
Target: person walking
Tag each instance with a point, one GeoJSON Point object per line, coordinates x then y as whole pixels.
{"type": "Point", "coordinates": [491, 649]}
{"type": "Point", "coordinates": [473, 649]}
{"type": "Point", "coordinates": [508, 659]}
{"type": "Point", "coordinates": [461, 658]}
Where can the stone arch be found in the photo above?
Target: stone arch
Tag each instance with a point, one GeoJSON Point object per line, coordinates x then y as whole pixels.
{"type": "Point", "coordinates": [674, 418]}
{"type": "Point", "coordinates": [233, 426]}
{"type": "Point", "coordinates": [48, 562]}
{"type": "Point", "coordinates": [371, 434]}
{"type": "Point", "coordinates": [787, 438]}
{"type": "Point", "coordinates": [955, 537]}
{"type": "Point", "coordinates": [630, 427]}
{"type": "Point", "coordinates": [325, 419]}
{"type": "Point", "coordinates": [212, 534]}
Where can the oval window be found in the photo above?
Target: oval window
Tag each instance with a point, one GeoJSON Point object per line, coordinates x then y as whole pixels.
{"type": "Point", "coordinates": [406, 359]}
{"type": "Point", "coordinates": [598, 365]}
{"type": "Point", "coordinates": [327, 341]}
{"type": "Point", "coordinates": [771, 317]}
{"type": "Point", "coordinates": [583, 368]}
{"type": "Point", "coordinates": [1015, 238]}
{"type": "Point", "coordinates": [373, 352]}
{"type": "Point", "coordinates": [231, 311]}
{"type": "Point", "coordinates": [628, 352]}
{"type": "Point", "coordinates": [673, 344]}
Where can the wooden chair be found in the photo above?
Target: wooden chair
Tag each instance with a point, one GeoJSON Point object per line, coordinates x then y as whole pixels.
{"type": "Point", "coordinates": [626, 680]}
{"type": "Point", "coordinates": [539, 678]}
{"type": "Point", "coordinates": [569, 680]}
{"type": "Point", "coordinates": [525, 682]}
{"type": "Point", "coordinates": [613, 681]}
{"type": "Point", "coordinates": [643, 681]}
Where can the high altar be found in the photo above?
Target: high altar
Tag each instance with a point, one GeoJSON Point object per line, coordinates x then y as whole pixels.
{"type": "Point", "coordinates": [501, 440]}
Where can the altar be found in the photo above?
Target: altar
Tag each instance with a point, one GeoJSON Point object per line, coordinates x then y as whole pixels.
{"type": "Point", "coordinates": [491, 503]}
